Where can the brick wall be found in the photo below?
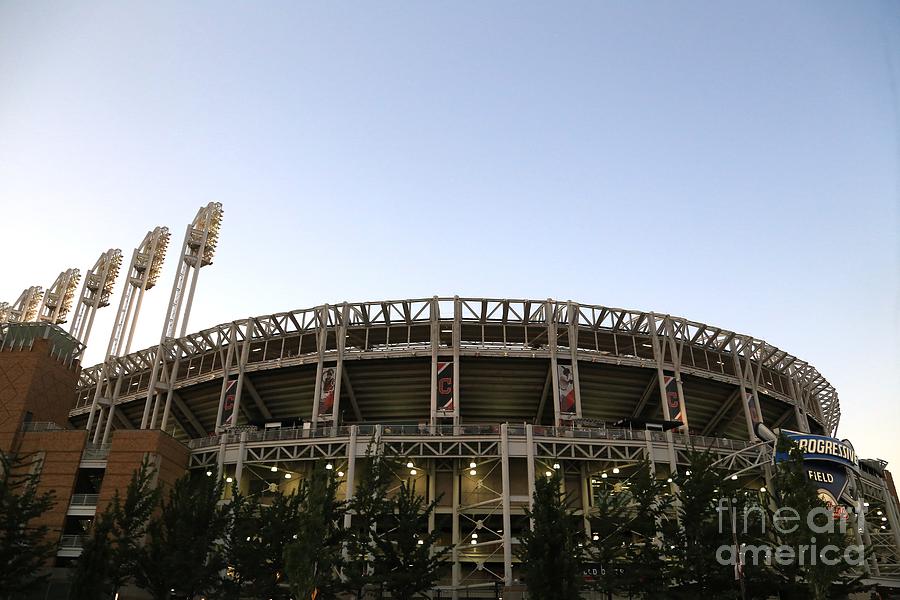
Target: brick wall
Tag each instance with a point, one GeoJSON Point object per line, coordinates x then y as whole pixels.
{"type": "Point", "coordinates": [61, 453]}
{"type": "Point", "coordinates": [32, 381]}
{"type": "Point", "coordinates": [128, 448]}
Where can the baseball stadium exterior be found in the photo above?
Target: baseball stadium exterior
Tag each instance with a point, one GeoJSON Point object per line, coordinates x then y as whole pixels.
{"type": "Point", "coordinates": [477, 395]}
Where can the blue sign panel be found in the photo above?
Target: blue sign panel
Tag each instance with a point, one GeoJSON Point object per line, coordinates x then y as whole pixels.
{"type": "Point", "coordinates": [822, 448]}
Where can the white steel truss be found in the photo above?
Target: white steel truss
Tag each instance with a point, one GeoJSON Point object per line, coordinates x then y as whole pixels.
{"type": "Point", "coordinates": [143, 273]}
{"type": "Point", "coordinates": [199, 247]}
{"type": "Point", "coordinates": [474, 326]}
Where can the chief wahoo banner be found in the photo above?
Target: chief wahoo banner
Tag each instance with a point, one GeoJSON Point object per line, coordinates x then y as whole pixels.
{"type": "Point", "coordinates": [445, 390]}
{"type": "Point", "coordinates": [228, 406]}
{"type": "Point", "coordinates": [326, 394]}
{"type": "Point", "coordinates": [672, 399]}
{"type": "Point", "coordinates": [566, 390]}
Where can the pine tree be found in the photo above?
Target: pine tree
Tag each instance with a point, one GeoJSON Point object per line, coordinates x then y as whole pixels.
{"type": "Point", "coordinates": [313, 562]}
{"type": "Point", "coordinates": [256, 542]}
{"type": "Point", "coordinates": [370, 510]}
{"type": "Point", "coordinates": [241, 547]}
{"type": "Point", "coordinates": [406, 559]}
{"type": "Point", "coordinates": [91, 578]}
{"type": "Point", "coordinates": [610, 536]}
{"type": "Point", "coordinates": [108, 560]}
{"type": "Point", "coordinates": [182, 556]}
{"type": "Point", "coordinates": [550, 550]}
{"type": "Point", "coordinates": [808, 575]}
{"type": "Point", "coordinates": [704, 529]}
{"type": "Point", "coordinates": [648, 573]}
{"type": "Point", "coordinates": [24, 549]}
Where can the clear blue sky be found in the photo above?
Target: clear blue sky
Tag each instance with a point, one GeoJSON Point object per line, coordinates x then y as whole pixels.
{"type": "Point", "coordinates": [734, 163]}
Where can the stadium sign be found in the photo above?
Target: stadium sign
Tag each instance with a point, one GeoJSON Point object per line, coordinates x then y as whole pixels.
{"type": "Point", "coordinates": [827, 461]}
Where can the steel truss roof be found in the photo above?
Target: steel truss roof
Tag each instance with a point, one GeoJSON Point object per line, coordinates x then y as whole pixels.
{"type": "Point", "coordinates": [501, 327]}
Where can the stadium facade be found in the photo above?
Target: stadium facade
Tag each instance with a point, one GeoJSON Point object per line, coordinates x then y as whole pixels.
{"type": "Point", "coordinates": [478, 396]}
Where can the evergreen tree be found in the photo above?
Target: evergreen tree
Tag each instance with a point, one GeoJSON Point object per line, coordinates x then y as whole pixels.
{"type": "Point", "coordinates": [610, 536]}
{"type": "Point", "coordinates": [704, 529]}
{"type": "Point", "coordinates": [256, 542]}
{"type": "Point", "coordinates": [370, 509]}
{"type": "Point", "coordinates": [109, 558]}
{"type": "Point", "coordinates": [24, 549]}
{"type": "Point", "coordinates": [241, 547]}
{"type": "Point", "coordinates": [91, 578]}
{"type": "Point", "coordinates": [182, 556]}
{"type": "Point", "coordinates": [549, 550]}
{"type": "Point", "coordinates": [648, 573]}
{"type": "Point", "coordinates": [313, 562]}
{"type": "Point", "coordinates": [807, 575]}
{"type": "Point", "coordinates": [406, 558]}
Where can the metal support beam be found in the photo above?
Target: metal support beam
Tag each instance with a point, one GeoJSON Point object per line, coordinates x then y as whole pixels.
{"type": "Point", "coordinates": [321, 340]}
{"type": "Point", "coordinates": [257, 400]}
{"type": "Point", "coordinates": [547, 385]}
{"type": "Point", "coordinates": [351, 472]}
{"type": "Point", "coordinates": [724, 409]}
{"type": "Point", "coordinates": [550, 313]}
{"type": "Point", "coordinates": [507, 522]}
{"type": "Point", "coordinates": [341, 335]}
{"type": "Point", "coordinates": [457, 342]}
{"type": "Point", "coordinates": [572, 316]}
{"type": "Point", "coordinates": [345, 377]}
{"type": "Point", "coordinates": [435, 333]}
{"type": "Point", "coordinates": [645, 397]}
{"type": "Point", "coordinates": [454, 535]}
{"type": "Point", "coordinates": [245, 354]}
{"type": "Point", "coordinates": [226, 374]}
{"type": "Point", "coordinates": [189, 415]}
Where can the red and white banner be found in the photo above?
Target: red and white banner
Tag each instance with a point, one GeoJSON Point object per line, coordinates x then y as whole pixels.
{"type": "Point", "coordinates": [446, 392]}
{"type": "Point", "coordinates": [566, 390]}
{"type": "Point", "coordinates": [326, 394]}
{"type": "Point", "coordinates": [672, 399]}
{"type": "Point", "coordinates": [228, 406]}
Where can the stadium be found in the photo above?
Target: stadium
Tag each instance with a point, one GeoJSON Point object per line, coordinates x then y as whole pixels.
{"type": "Point", "coordinates": [478, 396]}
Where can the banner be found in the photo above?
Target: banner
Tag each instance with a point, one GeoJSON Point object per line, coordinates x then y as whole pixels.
{"type": "Point", "coordinates": [566, 389]}
{"type": "Point", "coordinates": [445, 391]}
{"type": "Point", "coordinates": [326, 394]}
{"type": "Point", "coordinates": [228, 407]}
{"type": "Point", "coordinates": [672, 399]}
{"type": "Point", "coordinates": [753, 409]}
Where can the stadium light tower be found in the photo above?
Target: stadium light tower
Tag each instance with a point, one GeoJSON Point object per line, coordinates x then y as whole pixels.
{"type": "Point", "coordinates": [199, 247]}
{"type": "Point", "coordinates": [58, 298]}
{"type": "Point", "coordinates": [143, 273]}
{"type": "Point", "coordinates": [25, 308]}
{"type": "Point", "coordinates": [95, 293]}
